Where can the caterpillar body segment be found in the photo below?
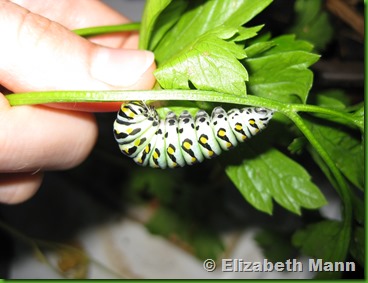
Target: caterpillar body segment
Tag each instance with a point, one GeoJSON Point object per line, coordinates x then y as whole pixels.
{"type": "Point", "coordinates": [205, 135]}
{"type": "Point", "coordinates": [190, 148]}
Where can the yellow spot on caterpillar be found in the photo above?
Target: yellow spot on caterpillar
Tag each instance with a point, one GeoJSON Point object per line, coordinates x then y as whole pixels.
{"type": "Point", "coordinates": [221, 133]}
{"type": "Point", "coordinates": [238, 127]}
{"type": "Point", "coordinates": [170, 150]}
{"type": "Point", "coordinates": [252, 121]}
{"type": "Point", "coordinates": [210, 153]}
{"type": "Point", "coordinates": [194, 159]}
{"type": "Point", "coordinates": [127, 112]}
{"type": "Point", "coordinates": [203, 140]}
{"type": "Point", "coordinates": [129, 130]}
{"type": "Point", "coordinates": [229, 144]}
{"type": "Point", "coordinates": [155, 155]}
{"type": "Point", "coordinates": [130, 114]}
{"type": "Point", "coordinates": [186, 145]}
{"type": "Point", "coordinates": [137, 142]}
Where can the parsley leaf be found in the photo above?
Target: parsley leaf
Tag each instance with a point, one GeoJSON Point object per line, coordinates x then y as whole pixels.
{"type": "Point", "coordinates": [264, 176]}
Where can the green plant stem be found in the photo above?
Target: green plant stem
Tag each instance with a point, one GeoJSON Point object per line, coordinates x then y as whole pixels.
{"type": "Point", "coordinates": [195, 95]}
{"type": "Point", "coordinates": [127, 95]}
{"type": "Point", "coordinates": [322, 110]}
{"type": "Point", "coordinates": [342, 188]}
{"type": "Point", "coordinates": [90, 31]}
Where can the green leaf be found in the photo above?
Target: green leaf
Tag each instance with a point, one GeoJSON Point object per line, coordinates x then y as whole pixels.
{"type": "Point", "coordinates": [312, 23]}
{"type": "Point", "coordinates": [203, 16]}
{"type": "Point", "coordinates": [259, 47]}
{"type": "Point", "coordinates": [271, 174]}
{"type": "Point", "coordinates": [166, 21]}
{"type": "Point", "coordinates": [152, 11]}
{"type": "Point", "coordinates": [211, 62]}
{"type": "Point", "coordinates": [343, 147]}
{"type": "Point", "coordinates": [357, 247]}
{"type": "Point", "coordinates": [286, 43]}
{"type": "Point", "coordinates": [327, 240]}
{"type": "Point", "coordinates": [297, 145]}
{"type": "Point", "coordinates": [359, 114]}
{"type": "Point", "coordinates": [282, 73]}
{"type": "Point", "coordinates": [322, 165]}
{"type": "Point", "coordinates": [334, 99]}
{"type": "Point", "coordinates": [358, 209]}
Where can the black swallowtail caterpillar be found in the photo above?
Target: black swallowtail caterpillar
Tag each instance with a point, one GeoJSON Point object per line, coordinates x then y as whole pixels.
{"type": "Point", "coordinates": [175, 142]}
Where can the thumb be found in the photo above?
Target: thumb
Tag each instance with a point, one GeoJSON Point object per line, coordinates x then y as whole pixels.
{"type": "Point", "coordinates": [40, 54]}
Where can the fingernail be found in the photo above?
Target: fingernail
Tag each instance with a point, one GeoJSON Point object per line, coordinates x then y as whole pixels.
{"type": "Point", "coordinates": [119, 67]}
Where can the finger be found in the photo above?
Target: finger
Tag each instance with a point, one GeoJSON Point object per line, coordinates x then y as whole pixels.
{"type": "Point", "coordinates": [81, 14]}
{"type": "Point", "coordinates": [16, 188]}
{"type": "Point", "coordinates": [39, 138]}
{"type": "Point", "coordinates": [42, 55]}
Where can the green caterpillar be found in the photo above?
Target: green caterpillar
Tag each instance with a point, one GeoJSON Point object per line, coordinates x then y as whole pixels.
{"type": "Point", "coordinates": [176, 142]}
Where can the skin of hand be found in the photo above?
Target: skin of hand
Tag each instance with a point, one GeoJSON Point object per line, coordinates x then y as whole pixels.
{"type": "Point", "coordinates": [39, 52]}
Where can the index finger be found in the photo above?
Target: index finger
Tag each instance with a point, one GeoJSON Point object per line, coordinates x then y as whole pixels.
{"type": "Point", "coordinates": [81, 14]}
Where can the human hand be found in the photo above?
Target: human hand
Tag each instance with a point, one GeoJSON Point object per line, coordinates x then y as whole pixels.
{"type": "Point", "coordinates": [38, 53]}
